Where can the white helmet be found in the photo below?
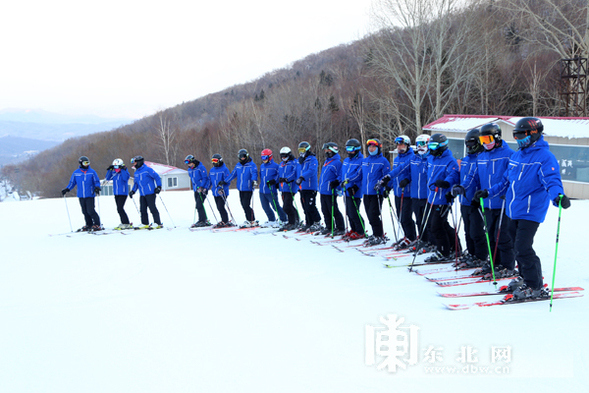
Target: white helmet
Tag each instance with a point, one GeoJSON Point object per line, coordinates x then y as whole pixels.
{"type": "Point", "coordinates": [421, 143]}
{"type": "Point", "coordinates": [285, 150]}
{"type": "Point", "coordinates": [118, 162]}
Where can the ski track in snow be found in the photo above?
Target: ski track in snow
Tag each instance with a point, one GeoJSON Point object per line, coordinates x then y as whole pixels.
{"type": "Point", "coordinates": [182, 311]}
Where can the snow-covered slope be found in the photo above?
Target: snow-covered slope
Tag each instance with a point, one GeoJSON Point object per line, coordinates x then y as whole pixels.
{"type": "Point", "coordinates": [181, 311]}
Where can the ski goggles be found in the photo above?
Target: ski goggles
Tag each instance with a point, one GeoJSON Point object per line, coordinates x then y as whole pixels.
{"type": "Point", "coordinates": [372, 142]}
{"type": "Point", "coordinates": [400, 141]}
{"type": "Point", "coordinates": [215, 160]}
{"type": "Point", "coordinates": [85, 163]}
{"type": "Point", "coordinates": [520, 135]}
{"type": "Point", "coordinates": [303, 150]}
{"type": "Point", "coordinates": [352, 148]}
{"type": "Point", "coordinates": [265, 158]}
{"type": "Point", "coordinates": [486, 139]}
{"type": "Point", "coordinates": [433, 145]}
{"type": "Point", "coordinates": [187, 162]}
{"type": "Point", "coordinates": [421, 143]}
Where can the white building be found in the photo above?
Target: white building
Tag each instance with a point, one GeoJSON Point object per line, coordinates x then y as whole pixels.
{"type": "Point", "coordinates": [173, 179]}
{"type": "Point", "coordinates": [568, 138]}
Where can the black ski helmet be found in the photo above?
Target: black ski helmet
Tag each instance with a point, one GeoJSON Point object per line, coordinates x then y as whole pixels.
{"type": "Point", "coordinates": [531, 127]}
{"type": "Point", "coordinates": [330, 149]}
{"type": "Point", "coordinates": [137, 162]}
{"type": "Point", "coordinates": [304, 147]}
{"type": "Point", "coordinates": [83, 159]}
{"type": "Point", "coordinates": [242, 155]}
{"type": "Point", "coordinates": [189, 159]}
{"type": "Point", "coordinates": [490, 130]}
{"type": "Point", "coordinates": [438, 143]}
{"type": "Point", "coordinates": [353, 146]}
{"type": "Point", "coordinates": [217, 160]}
{"type": "Point", "coordinates": [472, 142]}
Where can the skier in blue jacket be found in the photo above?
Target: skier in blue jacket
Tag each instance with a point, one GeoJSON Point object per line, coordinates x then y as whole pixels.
{"type": "Point", "coordinates": [492, 164]}
{"type": "Point", "coordinates": [442, 174]}
{"type": "Point", "coordinates": [246, 173]}
{"type": "Point", "coordinates": [474, 232]}
{"type": "Point", "coordinates": [307, 182]}
{"type": "Point", "coordinates": [351, 179]}
{"type": "Point", "coordinates": [88, 184]}
{"type": "Point", "coordinates": [119, 175]}
{"type": "Point", "coordinates": [288, 172]}
{"type": "Point", "coordinates": [419, 190]}
{"type": "Point", "coordinates": [328, 185]}
{"type": "Point", "coordinates": [400, 177]}
{"type": "Point", "coordinates": [531, 183]}
{"type": "Point", "coordinates": [220, 187]}
{"type": "Point", "coordinates": [269, 190]}
{"type": "Point", "coordinates": [149, 183]}
{"type": "Point", "coordinates": [200, 184]}
{"type": "Point", "coordinates": [374, 168]}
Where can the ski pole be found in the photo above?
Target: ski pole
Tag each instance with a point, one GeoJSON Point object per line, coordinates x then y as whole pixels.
{"type": "Point", "coordinates": [162, 200]}
{"type": "Point", "coordinates": [359, 215]}
{"type": "Point", "coordinates": [68, 213]}
{"type": "Point", "coordinates": [136, 208]}
{"type": "Point", "coordinates": [431, 207]}
{"type": "Point", "coordinates": [332, 206]}
{"type": "Point", "coordinates": [556, 250]}
{"type": "Point", "coordinates": [294, 201]}
{"type": "Point", "coordinates": [227, 204]}
{"type": "Point", "coordinates": [274, 200]}
{"type": "Point", "coordinates": [400, 217]}
{"type": "Point", "coordinates": [213, 210]}
{"type": "Point", "coordinates": [482, 208]}
{"type": "Point", "coordinates": [454, 221]}
{"type": "Point", "coordinates": [392, 219]}
{"type": "Point", "coordinates": [203, 207]}
{"type": "Point", "coordinates": [499, 230]}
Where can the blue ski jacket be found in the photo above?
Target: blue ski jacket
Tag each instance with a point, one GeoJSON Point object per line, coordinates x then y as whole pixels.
{"type": "Point", "coordinates": [289, 170]}
{"type": "Point", "coordinates": [352, 172]}
{"type": "Point", "coordinates": [468, 166]}
{"type": "Point", "coordinates": [216, 174]}
{"type": "Point", "coordinates": [531, 183]}
{"type": "Point", "coordinates": [491, 166]}
{"type": "Point", "coordinates": [198, 176]}
{"type": "Point", "coordinates": [146, 179]}
{"type": "Point", "coordinates": [332, 170]}
{"type": "Point", "coordinates": [245, 174]}
{"type": "Point", "coordinates": [442, 167]}
{"type": "Point", "coordinates": [374, 168]}
{"type": "Point", "coordinates": [419, 177]}
{"type": "Point", "coordinates": [309, 172]}
{"type": "Point", "coordinates": [401, 170]}
{"type": "Point", "coordinates": [86, 180]}
{"type": "Point", "coordinates": [269, 171]}
{"type": "Point", "coordinates": [120, 181]}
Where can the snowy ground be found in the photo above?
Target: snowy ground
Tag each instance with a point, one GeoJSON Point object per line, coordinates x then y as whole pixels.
{"type": "Point", "coordinates": [181, 311]}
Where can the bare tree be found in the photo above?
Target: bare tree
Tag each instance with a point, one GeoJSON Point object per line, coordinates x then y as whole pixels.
{"type": "Point", "coordinates": [166, 131]}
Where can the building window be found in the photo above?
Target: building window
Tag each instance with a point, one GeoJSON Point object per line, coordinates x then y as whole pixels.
{"type": "Point", "coordinates": [172, 182]}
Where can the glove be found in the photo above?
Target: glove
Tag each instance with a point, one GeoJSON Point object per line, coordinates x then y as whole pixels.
{"type": "Point", "coordinates": [387, 191]}
{"type": "Point", "coordinates": [222, 183]}
{"type": "Point", "coordinates": [131, 193]}
{"type": "Point", "coordinates": [282, 180]}
{"type": "Point", "coordinates": [110, 168]}
{"type": "Point", "coordinates": [449, 197]}
{"type": "Point", "coordinates": [458, 190]}
{"type": "Point", "coordinates": [271, 182]}
{"type": "Point", "coordinates": [403, 183]}
{"type": "Point", "coordinates": [333, 184]}
{"type": "Point", "coordinates": [123, 167]}
{"type": "Point", "coordinates": [158, 189]}
{"type": "Point", "coordinates": [565, 202]}
{"type": "Point", "coordinates": [299, 180]}
{"type": "Point", "coordinates": [442, 184]}
{"type": "Point", "coordinates": [65, 191]}
{"type": "Point", "coordinates": [97, 190]}
{"type": "Point", "coordinates": [481, 194]}
{"type": "Point", "coordinates": [475, 203]}
{"type": "Point", "coordinates": [352, 190]}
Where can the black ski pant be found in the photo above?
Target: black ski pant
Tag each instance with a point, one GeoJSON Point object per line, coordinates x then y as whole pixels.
{"type": "Point", "coordinates": [289, 209]}
{"type": "Point", "coordinates": [120, 201]}
{"type": "Point", "coordinates": [405, 216]}
{"type": "Point", "coordinates": [329, 202]}
{"type": "Point", "coordinates": [529, 263]}
{"type": "Point", "coordinates": [220, 202]}
{"type": "Point", "coordinates": [504, 255]}
{"type": "Point", "coordinates": [309, 202]}
{"type": "Point", "coordinates": [474, 232]}
{"type": "Point", "coordinates": [353, 213]}
{"type": "Point", "coordinates": [442, 233]}
{"type": "Point", "coordinates": [246, 199]}
{"type": "Point", "coordinates": [373, 208]}
{"type": "Point", "coordinates": [90, 215]}
{"type": "Point", "coordinates": [146, 201]}
{"type": "Point", "coordinates": [200, 197]}
{"type": "Point", "coordinates": [420, 208]}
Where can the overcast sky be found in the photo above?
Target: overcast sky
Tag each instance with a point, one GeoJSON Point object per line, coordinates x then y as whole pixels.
{"type": "Point", "coordinates": [131, 58]}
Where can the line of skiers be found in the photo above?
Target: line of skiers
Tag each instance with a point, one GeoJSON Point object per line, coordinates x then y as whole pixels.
{"type": "Point", "coordinates": [515, 189]}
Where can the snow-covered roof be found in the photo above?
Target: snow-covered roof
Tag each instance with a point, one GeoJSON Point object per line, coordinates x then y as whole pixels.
{"type": "Point", "coordinates": [566, 127]}
{"type": "Point", "coordinates": [162, 169]}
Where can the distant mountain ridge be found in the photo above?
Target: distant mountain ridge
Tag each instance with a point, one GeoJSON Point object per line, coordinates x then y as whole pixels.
{"type": "Point", "coordinates": [42, 116]}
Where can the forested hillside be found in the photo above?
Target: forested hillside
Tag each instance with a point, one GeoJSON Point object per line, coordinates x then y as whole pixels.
{"type": "Point", "coordinates": [426, 58]}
